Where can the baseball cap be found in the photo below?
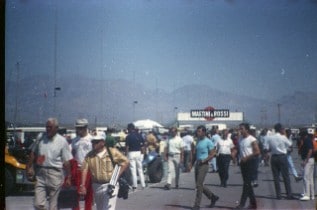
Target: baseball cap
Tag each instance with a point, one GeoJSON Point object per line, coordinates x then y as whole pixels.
{"type": "Point", "coordinates": [81, 123]}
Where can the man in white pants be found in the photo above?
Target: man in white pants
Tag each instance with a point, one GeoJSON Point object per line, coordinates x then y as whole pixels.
{"type": "Point", "coordinates": [134, 147]}
{"type": "Point", "coordinates": [174, 154]}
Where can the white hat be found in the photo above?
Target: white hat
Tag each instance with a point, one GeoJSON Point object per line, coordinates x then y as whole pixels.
{"type": "Point", "coordinates": [81, 123]}
{"type": "Point", "coordinates": [99, 136]}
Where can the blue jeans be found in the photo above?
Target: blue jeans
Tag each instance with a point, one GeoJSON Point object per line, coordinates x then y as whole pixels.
{"type": "Point", "coordinates": [214, 163]}
{"type": "Point", "coordinates": [291, 166]}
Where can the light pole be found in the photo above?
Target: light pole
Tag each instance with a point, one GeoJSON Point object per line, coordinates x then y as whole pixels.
{"type": "Point", "coordinates": [17, 94]}
{"type": "Point", "coordinates": [175, 112]}
{"type": "Point", "coordinates": [55, 90]}
{"type": "Point", "coordinates": [279, 113]}
{"type": "Point", "coordinates": [134, 103]}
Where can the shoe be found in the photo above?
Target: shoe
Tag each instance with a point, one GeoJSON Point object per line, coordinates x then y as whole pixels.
{"type": "Point", "coordinates": [298, 178]}
{"type": "Point", "coordinates": [225, 185]}
{"type": "Point", "coordinates": [290, 197]}
{"type": "Point", "coordinates": [213, 199]}
{"type": "Point", "coordinates": [279, 197]}
{"type": "Point", "coordinates": [239, 207]}
{"type": "Point", "coordinates": [167, 187]}
{"type": "Point", "coordinates": [195, 208]}
{"type": "Point", "coordinates": [252, 206]}
{"type": "Point", "coordinates": [305, 198]}
{"type": "Point", "coordinates": [133, 188]}
{"type": "Point", "coordinates": [176, 186]}
{"type": "Point", "coordinates": [255, 184]}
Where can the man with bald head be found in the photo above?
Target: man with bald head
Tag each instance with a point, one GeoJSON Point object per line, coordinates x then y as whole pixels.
{"type": "Point", "coordinates": [50, 154]}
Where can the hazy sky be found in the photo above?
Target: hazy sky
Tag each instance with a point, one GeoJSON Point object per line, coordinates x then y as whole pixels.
{"type": "Point", "coordinates": [263, 48]}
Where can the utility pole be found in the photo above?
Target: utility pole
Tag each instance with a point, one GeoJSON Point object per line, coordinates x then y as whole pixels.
{"type": "Point", "coordinates": [134, 103]}
{"type": "Point", "coordinates": [55, 58]}
{"type": "Point", "coordinates": [17, 94]}
{"type": "Point", "coordinates": [176, 113]}
{"type": "Point", "coordinates": [279, 113]}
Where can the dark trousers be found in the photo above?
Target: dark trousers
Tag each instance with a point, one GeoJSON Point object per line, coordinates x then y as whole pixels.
{"type": "Point", "coordinates": [187, 161]}
{"type": "Point", "coordinates": [223, 162]}
{"type": "Point", "coordinates": [255, 162]}
{"type": "Point", "coordinates": [279, 166]}
{"type": "Point", "coordinates": [247, 192]}
{"type": "Point", "coordinates": [200, 174]}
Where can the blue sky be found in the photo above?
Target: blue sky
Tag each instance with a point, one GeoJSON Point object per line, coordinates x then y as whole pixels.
{"type": "Point", "coordinates": [264, 49]}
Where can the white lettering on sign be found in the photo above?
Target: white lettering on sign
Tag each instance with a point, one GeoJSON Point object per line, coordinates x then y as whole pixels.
{"type": "Point", "coordinates": [210, 113]}
{"type": "Point", "coordinates": [221, 113]}
{"type": "Point", "coordinates": [201, 113]}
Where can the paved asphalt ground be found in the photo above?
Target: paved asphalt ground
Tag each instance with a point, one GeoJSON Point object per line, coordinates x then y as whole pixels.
{"type": "Point", "coordinates": [154, 197]}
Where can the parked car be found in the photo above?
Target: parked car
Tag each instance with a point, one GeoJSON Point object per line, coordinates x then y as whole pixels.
{"type": "Point", "coordinates": [17, 152]}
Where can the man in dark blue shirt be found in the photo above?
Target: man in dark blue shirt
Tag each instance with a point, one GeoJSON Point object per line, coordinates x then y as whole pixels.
{"type": "Point", "coordinates": [134, 145]}
{"type": "Point", "coordinates": [306, 152]}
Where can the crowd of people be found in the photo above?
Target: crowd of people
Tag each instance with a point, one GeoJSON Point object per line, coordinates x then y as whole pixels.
{"type": "Point", "coordinates": [88, 160]}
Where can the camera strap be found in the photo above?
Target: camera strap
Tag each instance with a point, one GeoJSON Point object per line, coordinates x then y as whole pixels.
{"type": "Point", "coordinates": [110, 155]}
{"type": "Point", "coordinates": [116, 170]}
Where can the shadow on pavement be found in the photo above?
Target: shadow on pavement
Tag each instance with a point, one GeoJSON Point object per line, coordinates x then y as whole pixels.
{"type": "Point", "coordinates": [228, 185]}
{"type": "Point", "coordinates": [172, 188]}
{"type": "Point", "coordinates": [179, 206]}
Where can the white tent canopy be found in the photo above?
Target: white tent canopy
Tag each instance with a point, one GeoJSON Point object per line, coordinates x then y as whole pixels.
{"type": "Point", "coordinates": [146, 124]}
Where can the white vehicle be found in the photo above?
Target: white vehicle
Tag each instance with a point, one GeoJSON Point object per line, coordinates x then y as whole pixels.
{"type": "Point", "coordinates": [23, 136]}
{"type": "Point", "coordinates": [100, 129]}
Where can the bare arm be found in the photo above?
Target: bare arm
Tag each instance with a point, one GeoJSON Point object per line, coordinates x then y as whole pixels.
{"type": "Point", "coordinates": [67, 167]}
{"type": "Point", "coordinates": [29, 167]}
{"type": "Point", "coordinates": [82, 189]}
{"type": "Point", "coordinates": [182, 155]}
{"type": "Point", "coordinates": [307, 158]}
{"type": "Point", "coordinates": [165, 153]}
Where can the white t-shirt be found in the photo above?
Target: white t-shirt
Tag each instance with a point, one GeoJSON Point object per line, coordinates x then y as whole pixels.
{"type": "Point", "coordinates": [225, 146]}
{"type": "Point", "coordinates": [81, 145]}
{"type": "Point", "coordinates": [175, 145]}
{"type": "Point", "coordinates": [188, 140]}
{"type": "Point", "coordinates": [245, 145]}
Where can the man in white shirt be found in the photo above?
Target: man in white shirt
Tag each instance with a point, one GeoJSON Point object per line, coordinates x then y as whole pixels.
{"type": "Point", "coordinates": [50, 155]}
{"type": "Point", "coordinates": [278, 144]}
{"type": "Point", "coordinates": [174, 152]}
{"type": "Point", "coordinates": [225, 150]}
{"type": "Point", "coordinates": [214, 138]}
{"type": "Point", "coordinates": [188, 141]}
{"type": "Point", "coordinates": [81, 145]}
{"type": "Point", "coordinates": [248, 149]}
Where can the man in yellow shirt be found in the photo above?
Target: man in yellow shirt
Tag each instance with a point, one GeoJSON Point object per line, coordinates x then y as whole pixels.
{"type": "Point", "coordinates": [99, 163]}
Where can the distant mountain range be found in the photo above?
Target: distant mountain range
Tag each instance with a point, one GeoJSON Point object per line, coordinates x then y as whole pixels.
{"type": "Point", "coordinates": [118, 102]}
